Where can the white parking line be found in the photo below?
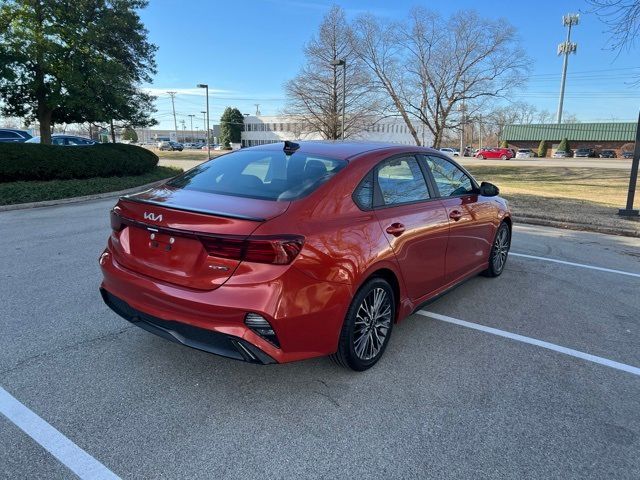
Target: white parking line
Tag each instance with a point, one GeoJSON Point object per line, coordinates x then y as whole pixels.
{"type": "Point", "coordinates": [581, 265]}
{"type": "Point", "coordinates": [532, 341]}
{"type": "Point", "coordinates": [67, 452]}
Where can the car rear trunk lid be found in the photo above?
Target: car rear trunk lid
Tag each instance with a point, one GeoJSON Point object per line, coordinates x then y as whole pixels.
{"type": "Point", "coordinates": [162, 233]}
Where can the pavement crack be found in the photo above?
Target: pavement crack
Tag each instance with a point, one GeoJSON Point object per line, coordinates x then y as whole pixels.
{"type": "Point", "coordinates": [66, 348]}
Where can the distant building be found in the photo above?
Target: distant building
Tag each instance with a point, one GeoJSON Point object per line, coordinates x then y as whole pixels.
{"type": "Point", "coordinates": [260, 130]}
{"type": "Point", "coordinates": [153, 135]}
{"type": "Point", "coordinates": [599, 136]}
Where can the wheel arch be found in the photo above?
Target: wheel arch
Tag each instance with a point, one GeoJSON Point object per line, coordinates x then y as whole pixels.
{"type": "Point", "coordinates": [393, 279]}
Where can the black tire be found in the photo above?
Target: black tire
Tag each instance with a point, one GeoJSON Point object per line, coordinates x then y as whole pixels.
{"type": "Point", "coordinates": [348, 354]}
{"type": "Point", "coordinates": [499, 251]}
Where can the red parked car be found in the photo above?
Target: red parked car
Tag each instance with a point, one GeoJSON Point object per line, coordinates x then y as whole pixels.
{"type": "Point", "coordinates": [503, 153]}
{"type": "Point", "coordinates": [280, 253]}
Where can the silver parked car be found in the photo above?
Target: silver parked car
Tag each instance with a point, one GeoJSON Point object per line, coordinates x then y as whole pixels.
{"type": "Point", "coordinates": [526, 153]}
{"type": "Point", "coordinates": [561, 154]}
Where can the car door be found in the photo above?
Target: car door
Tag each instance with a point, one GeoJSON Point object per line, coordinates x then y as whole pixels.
{"type": "Point", "coordinates": [471, 217]}
{"type": "Point", "coordinates": [413, 221]}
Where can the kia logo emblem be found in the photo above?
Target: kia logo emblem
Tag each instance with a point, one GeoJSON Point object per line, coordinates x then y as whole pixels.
{"type": "Point", "coordinates": [152, 216]}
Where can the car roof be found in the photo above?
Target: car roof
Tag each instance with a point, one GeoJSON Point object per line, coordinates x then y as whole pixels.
{"type": "Point", "coordinates": [16, 130]}
{"type": "Point", "coordinates": [347, 149]}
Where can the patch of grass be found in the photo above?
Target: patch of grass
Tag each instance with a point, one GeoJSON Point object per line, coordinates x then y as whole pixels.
{"type": "Point", "coordinates": [577, 195]}
{"type": "Point", "coordinates": [187, 154]}
{"type": "Point", "coordinates": [38, 191]}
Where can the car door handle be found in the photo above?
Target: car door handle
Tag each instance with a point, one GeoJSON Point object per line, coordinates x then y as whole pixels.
{"type": "Point", "coordinates": [455, 215]}
{"type": "Point", "coordinates": [395, 229]}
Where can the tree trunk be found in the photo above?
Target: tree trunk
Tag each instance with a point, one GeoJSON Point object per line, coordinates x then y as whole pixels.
{"type": "Point", "coordinates": [44, 118]}
{"type": "Point", "coordinates": [113, 133]}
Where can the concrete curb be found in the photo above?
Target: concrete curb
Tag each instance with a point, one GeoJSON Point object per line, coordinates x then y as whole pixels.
{"type": "Point", "coordinates": [84, 198]}
{"type": "Point", "coordinates": [549, 222]}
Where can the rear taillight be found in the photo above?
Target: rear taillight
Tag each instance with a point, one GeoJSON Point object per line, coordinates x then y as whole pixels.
{"type": "Point", "coordinates": [116, 222]}
{"type": "Point", "coordinates": [275, 250]}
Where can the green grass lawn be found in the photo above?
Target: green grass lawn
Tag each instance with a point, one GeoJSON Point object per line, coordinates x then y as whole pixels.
{"type": "Point", "coordinates": [37, 191]}
{"type": "Point", "coordinates": [589, 196]}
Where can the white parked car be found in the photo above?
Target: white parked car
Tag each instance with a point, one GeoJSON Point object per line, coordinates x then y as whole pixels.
{"type": "Point", "coordinates": [450, 151]}
{"type": "Point", "coordinates": [526, 153]}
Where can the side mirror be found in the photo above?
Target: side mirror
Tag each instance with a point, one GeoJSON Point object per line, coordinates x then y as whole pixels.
{"type": "Point", "coordinates": [488, 189]}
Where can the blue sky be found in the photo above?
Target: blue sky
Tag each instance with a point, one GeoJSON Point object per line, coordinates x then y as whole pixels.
{"type": "Point", "coordinates": [246, 50]}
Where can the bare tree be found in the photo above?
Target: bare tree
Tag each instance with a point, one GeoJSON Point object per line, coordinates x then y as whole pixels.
{"type": "Point", "coordinates": [438, 72]}
{"type": "Point", "coordinates": [315, 94]}
{"type": "Point", "coordinates": [622, 18]}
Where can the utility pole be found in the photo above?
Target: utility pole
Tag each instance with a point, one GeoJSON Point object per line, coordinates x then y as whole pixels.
{"type": "Point", "coordinates": [173, 107]}
{"type": "Point", "coordinates": [565, 48]}
{"type": "Point", "coordinates": [191, 118]}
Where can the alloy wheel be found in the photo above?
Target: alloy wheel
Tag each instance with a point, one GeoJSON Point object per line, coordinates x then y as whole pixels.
{"type": "Point", "coordinates": [501, 249]}
{"type": "Point", "coordinates": [372, 324]}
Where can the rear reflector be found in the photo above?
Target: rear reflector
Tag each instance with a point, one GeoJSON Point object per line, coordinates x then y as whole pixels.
{"type": "Point", "coordinates": [262, 327]}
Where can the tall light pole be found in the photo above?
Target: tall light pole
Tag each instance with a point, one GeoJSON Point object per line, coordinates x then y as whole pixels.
{"type": "Point", "coordinates": [343, 63]}
{"type": "Point", "coordinates": [565, 48]}
{"type": "Point", "coordinates": [206, 87]}
{"type": "Point", "coordinates": [204, 125]}
{"type": "Point", "coordinates": [173, 106]}
{"type": "Point", "coordinates": [191, 115]}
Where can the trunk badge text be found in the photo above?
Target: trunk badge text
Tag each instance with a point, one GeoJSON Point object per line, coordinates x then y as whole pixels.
{"type": "Point", "coordinates": [153, 216]}
{"type": "Point", "coordinates": [219, 267]}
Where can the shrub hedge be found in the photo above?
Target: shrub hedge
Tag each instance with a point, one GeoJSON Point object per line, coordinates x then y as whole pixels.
{"type": "Point", "coordinates": [34, 161]}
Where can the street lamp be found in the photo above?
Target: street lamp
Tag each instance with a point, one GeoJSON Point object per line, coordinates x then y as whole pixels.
{"type": "Point", "coordinates": [206, 87]}
{"type": "Point", "coordinates": [340, 62]}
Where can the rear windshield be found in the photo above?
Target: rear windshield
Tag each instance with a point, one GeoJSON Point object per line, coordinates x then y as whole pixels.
{"type": "Point", "coordinates": [268, 175]}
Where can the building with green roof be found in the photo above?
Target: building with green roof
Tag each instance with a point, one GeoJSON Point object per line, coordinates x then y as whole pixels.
{"type": "Point", "coordinates": [599, 136]}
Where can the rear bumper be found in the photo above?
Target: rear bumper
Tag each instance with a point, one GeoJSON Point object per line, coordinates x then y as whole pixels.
{"type": "Point", "coordinates": [306, 314]}
{"type": "Point", "coordinates": [199, 338]}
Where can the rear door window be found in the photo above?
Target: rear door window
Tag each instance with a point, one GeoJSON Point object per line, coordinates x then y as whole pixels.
{"type": "Point", "coordinates": [263, 174]}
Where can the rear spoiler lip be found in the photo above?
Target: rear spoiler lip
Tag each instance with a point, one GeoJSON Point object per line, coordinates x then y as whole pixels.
{"type": "Point", "coordinates": [194, 210]}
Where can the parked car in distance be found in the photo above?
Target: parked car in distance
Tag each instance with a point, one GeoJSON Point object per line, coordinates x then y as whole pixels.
{"type": "Point", "coordinates": [170, 146]}
{"type": "Point", "coordinates": [450, 151]}
{"type": "Point", "coordinates": [525, 153]}
{"type": "Point", "coordinates": [287, 251]}
{"type": "Point", "coordinates": [561, 154]}
{"type": "Point", "coordinates": [627, 154]}
{"type": "Point", "coordinates": [584, 153]}
{"type": "Point", "coordinates": [12, 135]}
{"type": "Point", "coordinates": [502, 153]}
{"type": "Point", "coordinates": [65, 140]}
{"type": "Point", "coordinates": [608, 154]}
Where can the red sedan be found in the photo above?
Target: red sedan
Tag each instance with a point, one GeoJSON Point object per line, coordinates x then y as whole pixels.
{"type": "Point", "coordinates": [283, 252]}
{"type": "Point", "coordinates": [502, 153]}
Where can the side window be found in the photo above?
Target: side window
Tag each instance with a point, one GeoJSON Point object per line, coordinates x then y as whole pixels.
{"type": "Point", "coordinates": [363, 196]}
{"type": "Point", "coordinates": [57, 141]}
{"type": "Point", "coordinates": [450, 179]}
{"type": "Point", "coordinates": [401, 181]}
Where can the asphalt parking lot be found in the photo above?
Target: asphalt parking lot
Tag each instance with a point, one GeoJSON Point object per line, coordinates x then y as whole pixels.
{"type": "Point", "coordinates": [448, 400]}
